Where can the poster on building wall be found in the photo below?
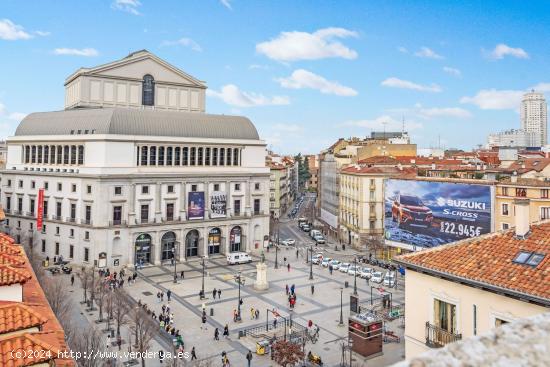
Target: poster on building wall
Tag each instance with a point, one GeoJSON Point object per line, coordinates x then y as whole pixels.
{"type": "Point", "coordinates": [426, 214]}
{"type": "Point", "coordinates": [40, 210]}
{"type": "Point", "coordinates": [218, 204]}
{"type": "Point", "coordinates": [195, 205]}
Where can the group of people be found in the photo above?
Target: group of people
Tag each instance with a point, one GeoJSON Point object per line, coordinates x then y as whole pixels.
{"type": "Point", "coordinates": [225, 332]}
{"type": "Point", "coordinates": [291, 293]}
{"type": "Point", "coordinates": [166, 323]}
{"type": "Point", "coordinates": [160, 296]}
{"type": "Point", "coordinates": [254, 314]}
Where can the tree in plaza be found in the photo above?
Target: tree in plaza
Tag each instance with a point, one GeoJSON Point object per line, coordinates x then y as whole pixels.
{"type": "Point", "coordinates": [286, 353]}
{"type": "Point", "coordinates": [87, 342]}
{"type": "Point", "coordinates": [120, 309]}
{"type": "Point", "coordinates": [85, 276]}
{"type": "Point", "coordinates": [100, 296]}
{"type": "Point", "coordinates": [144, 329]}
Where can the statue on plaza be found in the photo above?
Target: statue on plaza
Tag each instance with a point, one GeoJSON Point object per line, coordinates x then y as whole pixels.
{"type": "Point", "coordinates": [261, 274]}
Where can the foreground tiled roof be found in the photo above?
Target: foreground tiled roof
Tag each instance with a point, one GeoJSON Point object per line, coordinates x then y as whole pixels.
{"type": "Point", "coordinates": [529, 164]}
{"type": "Point", "coordinates": [10, 275]}
{"type": "Point", "coordinates": [36, 346]}
{"type": "Point", "coordinates": [6, 259]}
{"type": "Point", "coordinates": [19, 316]}
{"type": "Point", "coordinates": [489, 260]}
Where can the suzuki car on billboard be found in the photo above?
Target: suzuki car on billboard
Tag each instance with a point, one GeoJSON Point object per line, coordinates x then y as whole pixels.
{"type": "Point", "coordinates": [428, 213]}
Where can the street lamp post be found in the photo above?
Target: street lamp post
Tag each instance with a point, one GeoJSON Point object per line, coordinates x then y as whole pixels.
{"type": "Point", "coordinates": [174, 260]}
{"type": "Point", "coordinates": [202, 289]}
{"type": "Point", "coordinates": [239, 298]}
{"type": "Point", "coordinates": [311, 263]}
{"type": "Point", "coordinates": [277, 245]}
{"type": "Point", "coordinates": [355, 276]}
{"type": "Point", "coordinates": [341, 323]}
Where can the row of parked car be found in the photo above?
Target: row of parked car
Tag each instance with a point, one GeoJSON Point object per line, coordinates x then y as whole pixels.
{"type": "Point", "coordinates": [316, 235]}
{"type": "Point", "coordinates": [296, 208]}
{"type": "Point", "coordinates": [388, 278]}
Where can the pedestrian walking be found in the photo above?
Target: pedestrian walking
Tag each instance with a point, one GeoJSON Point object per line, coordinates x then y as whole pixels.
{"type": "Point", "coordinates": [158, 298]}
{"type": "Point", "coordinates": [193, 354]}
{"type": "Point", "coordinates": [72, 280]}
{"type": "Point", "coordinates": [257, 314]}
{"type": "Point", "coordinates": [252, 313]}
{"type": "Point", "coordinates": [286, 287]}
{"type": "Point", "coordinates": [288, 266]}
{"type": "Point", "coordinates": [234, 315]}
{"type": "Point", "coordinates": [169, 294]}
{"type": "Point", "coordinates": [216, 334]}
{"type": "Point", "coordinates": [226, 331]}
{"type": "Point", "coordinates": [214, 293]}
{"type": "Point", "coordinates": [330, 269]}
{"type": "Point", "coordinates": [204, 322]}
{"type": "Point", "coordinates": [292, 288]}
{"type": "Point", "coordinates": [219, 293]}
{"type": "Point", "coordinates": [275, 323]}
{"type": "Point", "coordinates": [181, 274]}
{"type": "Point", "coordinates": [162, 296]}
{"type": "Point", "coordinates": [134, 277]}
{"type": "Point", "coordinates": [249, 357]}
{"type": "Point", "coordinates": [297, 253]}
{"type": "Point", "coordinates": [312, 289]}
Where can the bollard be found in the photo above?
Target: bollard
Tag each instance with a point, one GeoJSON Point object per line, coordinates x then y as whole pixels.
{"type": "Point", "coordinates": [211, 312]}
{"type": "Point", "coordinates": [346, 284]}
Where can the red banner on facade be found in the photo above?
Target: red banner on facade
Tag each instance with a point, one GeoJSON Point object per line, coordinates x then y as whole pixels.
{"type": "Point", "coordinates": [40, 211]}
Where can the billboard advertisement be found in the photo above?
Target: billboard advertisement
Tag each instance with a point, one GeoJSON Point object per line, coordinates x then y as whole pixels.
{"type": "Point", "coordinates": [427, 213]}
{"type": "Point", "coordinates": [195, 205]}
{"type": "Point", "coordinates": [218, 204]}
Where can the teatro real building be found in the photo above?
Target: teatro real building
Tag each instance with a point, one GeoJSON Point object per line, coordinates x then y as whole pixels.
{"type": "Point", "coordinates": [134, 171]}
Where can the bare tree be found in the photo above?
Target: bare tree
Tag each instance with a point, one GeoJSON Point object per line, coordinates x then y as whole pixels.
{"type": "Point", "coordinates": [287, 354]}
{"type": "Point", "coordinates": [120, 310]}
{"type": "Point", "coordinates": [144, 329]}
{"type": "Point", "coordinates": [58, 296]}
{"type": "Point", "coordinates": [100, 296]}
{"type": "Point", "coordinates": [87, 342]}
{"type": "Point", "coordinates": [85, 276]}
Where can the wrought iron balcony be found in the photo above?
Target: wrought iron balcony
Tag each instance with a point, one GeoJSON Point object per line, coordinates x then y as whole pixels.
{"type": "Point", "coordinates": [437, 337]}
{"type": "Point", "coordinates": [117, 222]}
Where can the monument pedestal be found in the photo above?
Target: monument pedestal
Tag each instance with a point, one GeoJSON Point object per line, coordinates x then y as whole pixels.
{"type": "Point", "coordinates": [261, 277]}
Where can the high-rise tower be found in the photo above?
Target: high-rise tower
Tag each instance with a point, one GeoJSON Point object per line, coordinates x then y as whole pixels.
{"type": "Point", "coordinates": [534, 116]}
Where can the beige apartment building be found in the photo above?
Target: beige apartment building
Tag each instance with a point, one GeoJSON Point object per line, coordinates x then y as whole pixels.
{"type": "Point", "coordinates": [467, 288]}
{"type": "Point", "coordinates": [537, 191]}
{"type": "Point", "coordinates": [278, 189]}
{"type": "Point", "coordinates": [361, 209]}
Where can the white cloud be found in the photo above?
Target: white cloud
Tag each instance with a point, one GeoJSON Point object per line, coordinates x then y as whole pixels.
{"type": "Point", "coordinates": [227, 4]}
{"type": "Point", "coordinates": [232, 95]}
{"type": "Point", "coordinates": [289, 128]}
{"type": "Point", "coordinates": [129, 6]}
{"type": "Point", "coordinates": [405, 84]}
{"type": "Point", "coordinates": [306, 79]}
{"type": "Point", "coordinates": [501, 50]}
{"type": "Point", "coordinates": [2, 108]}
{"type": "Point", "coordinates": [10, 31]}
{"type": "Point", "coordinates": [402, 50]}
{"type": "Point", "coordinates": [383, 122]}
{"type": "Point", "coordinates": [428, 53]}
{"type": "Point", "coordinates": [493, 99]}
{"type": "Point", "coordinates": [542, 87]}
{"type": "Point", "coordinates": [257, 66]}
{"type": "Point", "coordinates": [445, 112]}
{"type": "Point", "coordinates": [186, 42]}
{"type": "Point", "coordinates": [43, 33]}
{"type": "Point", "coordinates": [17, 116]}
{"type": "Point", "coordinates": [292, 46]}
{"type": "Point", "coordinates": [86, 52]}
{"type": "Point", "coordinates": [452, 71]}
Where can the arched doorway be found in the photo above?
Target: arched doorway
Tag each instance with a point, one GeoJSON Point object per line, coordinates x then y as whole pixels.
{"type": "Point", "coordinates": [214, 241]}
{"type": "Point", "coordinates": [235, 237]}
{"type": "Point", "coordinates": [143, 249]}
{"type": "Point", "coordinates": [168, 241]}
{"type": "Point", "coordinates": [192, 243]}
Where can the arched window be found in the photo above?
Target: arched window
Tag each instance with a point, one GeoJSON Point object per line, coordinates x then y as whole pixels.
{"type": "Point", "coordinates": [222, 156]}
{"type": "Point", "coordinates": [169, 156]}
{"type": "Point", "coordinates": [27, 153]}
{"type": "Point", "coordinates": [46, 153]}
{"type": "Point", "coordinates": [148, 86]}
{"type": "Point", "coordinates": [177, 156]}
{"type": "Point", "coordinates": [81, 154]}
{"type": "Point", "coordinates": [144, 155]}
{"type": "Point", "coordinates": [73, 154]}
{"type": "Point", "coordinates": [161, 156]}
{"type": "Point", "coordinates": [153, 156]}
{"type": "Point", "coordinates": [235, 157]}
{"type": "Point", "coordinates": [59, 154]}
{"type": "Point", "coordinates": [199, 156]}
{"type": "Point", "coordinates": [229, 156]}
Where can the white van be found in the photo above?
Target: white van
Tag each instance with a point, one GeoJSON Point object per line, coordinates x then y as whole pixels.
{"type": "Point", "coordinates": [314, 232]}
{"type": "Point", "coordinates": [238, 258]}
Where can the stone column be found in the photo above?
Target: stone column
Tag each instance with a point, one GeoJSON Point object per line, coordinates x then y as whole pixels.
{"type": "Point", "coordinates": [205, 242]}
{"type": "Point", "coordinates": [131, 203]}
{"type": "Point", "coordinates": [158, 202]}
{"type": "Point", "coordinates": [183, 201]}
{"type": "Point", "coordinates": [156, 254]}
{"type": "Point", "coordinates": [182, 245]}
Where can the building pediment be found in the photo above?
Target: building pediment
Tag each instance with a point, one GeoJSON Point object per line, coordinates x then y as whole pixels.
{"type": "Point", "coordinates": [135, 66]}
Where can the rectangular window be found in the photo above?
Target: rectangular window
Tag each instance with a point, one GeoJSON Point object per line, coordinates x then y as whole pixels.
{"type": "Point", "coordinates": [20, 205]}
{"type": "Point", "coordinates": [193, 156]}
{"type": "Point", "coordinates": [445, 316]}
{"type": "Point", "coordinates": [153, 156]}
{"type": "Point", "coordinates": [71, 233]}
{"type": "Point", "coordinates": [505, 191]}
{"type": "Point", "coordinates": [20, 184]}
{"type": "Point", "coordinates": [144, 213]}
{"type": "Point", "coordinates": [257, 186]}
{"type": "Point", "coordinates": [86, 235]}
{"type": "Point", "coordinates": [521, 192]}
{"type": "Point", "coordinates": [170, 189]}
{"type": "Point", "coordinates": [71, 251]}
{"type": "Point", "coordinates": [33, 185]}
{"type": "Point", "coordinates": [214, 156]}
{"type": "Point", "coordinates": [475, 319]}
{"type": "Point", "coordinates": [237, 187]}
{"type": "Point", "coordinates": [160, 161]}
{"type": "Point", "coordinates": [169, 156]}
{"type": "Point", "coordinates": [57, 248]}
{"type": "Point", "coordinates": [73, 154]}
{"type": "Point", "coordinates": [257, 206]}
{"type": "Point", "coordinates": [229, 156]}
{"type": "Point", "coordinates": [544, 193]}
{"type": "Point", "coordinates": [86, 254]}
{"type": "Point", "coordinates": [505, 226]}
{"type": "Point", "coordinates": [118, 190]}
{"type": "Point", "coordinates": [222, 156]}
{"type": "Point", "coordinates": [89, 189]}
{"type": "Point", "coordinates": [144, 189]}
{"type": "Point", "coordinates": [8, 203]}
{"type": "Point", "coordinates": [544, 213]}
{"type": "Point", "coordinates": [199, 156]}
{"type": "Point", "coordinates": [59, 186]}
{"type": "Point", "coordinates": [58, 209]}
{"type": "Point", "coordinates": [193, 187]}
{"type": "Point", "coordinates": [57, 231]}
{"type": "Point", "coordinates": [505, 209]}
{"type": "Point", "coordinates": [88, 214]}
{"type": "Point", "coordinates": [80, 154]}
{"type": "Point", "coordinates": [31, 206]}
{"type": "Point", "coordinates": [46, 185]}
{"type": "Point", "coordinates": [66, 154]}
{"type": "Point", "coordinates": [206, 156]}
{"type": "Point", "coordinates": [73, 212]}
{"type": "Point", "coordinates": [184, 156]}
{"type": "Point", "coordinates": [170, 212]}
{"type": "Point", "coordinates": [9, 183]}
{"type": "Point", "coordinates": [216, 187]}
{"type": "Point", "coordinates": [43, 246]}
{"type": "Point", "coordinates": [237, 207]}
{"type": "Point", "coordinates": [117, 215]}
{"type": "Point", "coordinates": [177, 156]}
{"type": "Point", "coordinates": [59, 154]}
{"type": "Point", "coordinates": [372, 224]}
{"type": "Point", "coordinates": [43, 228]}
{"type": "Point", "coordinates": [73, 188]}
{"type": "Point", "coordinates": [235, 157]}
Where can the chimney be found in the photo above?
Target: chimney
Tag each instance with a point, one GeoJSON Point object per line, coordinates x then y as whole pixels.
{"type": "Point", "coordinates": [522, 217]}
{"type": "Point", "coordinates": [514, 177]}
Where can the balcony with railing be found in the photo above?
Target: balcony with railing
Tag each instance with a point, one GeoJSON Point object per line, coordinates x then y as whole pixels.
{"type": "Point", "coordinates": [87, 222]}
{"type": "Point", "coordinates": [57, 217]}
{"type": "Point", "coordinates": [437, 337]}
{"type": "Point", "coordinates": [117, 222]}
{"type": "Point", "coordinates": [70, 219]}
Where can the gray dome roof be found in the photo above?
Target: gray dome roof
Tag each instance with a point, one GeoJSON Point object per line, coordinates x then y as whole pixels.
{"type": "Point", "coordinates": [128, 121]}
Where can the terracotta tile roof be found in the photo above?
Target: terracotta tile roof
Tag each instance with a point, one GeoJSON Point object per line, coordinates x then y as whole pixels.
{"type": "Point", "coordinates": [5, 237]}
{"type": "Point", "coordinates": [379, 159]}
{"type": "Point", "coordinates": [9, 249]}
{"type": "Point", "coordinates": [524, 182]}
{"type": "Point", "coordinates": [10, 275]}
{"type": "Point", "coordinates": [529, 164]}
{"type": "Point", "coordinates": [6, 259]}
{"type": "Point", "coordinates": [488, 260]}
{"type": "Point", "coordinates": [405, 171]}
{"type": "Point", "coordinates": [18, 316]}
{"type": "Point", "coordinates": [36, 346]}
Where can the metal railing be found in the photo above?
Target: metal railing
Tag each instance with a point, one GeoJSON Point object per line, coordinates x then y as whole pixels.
{"type": "Point", "coordinates": [87, 222]}
{"type": "Point", "coordinates": [117, 222]}
{"type": "Point", "coordinates": [437, 337]}
{"type": "Point", "coordinates": [70, 220]}
{"type": "Point", "coordinates": [57, 217]}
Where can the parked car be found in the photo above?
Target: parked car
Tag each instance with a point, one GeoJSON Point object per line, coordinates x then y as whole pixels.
{"type": "Point", "coordinates": [325, 262]}
{"type": "Point", "coordinates": [377, 277]}
{"type": "Point", "coordinates": [389, 279]}
{"type": "Point", "coordinates": [335, 264]}
{"type": "Point", "coordinates": [289, 242]}
{"type": "Point", "coordinates": [238, 258]}
{"type": "Point", "coordinates": [317, 259]}
{"type": "Point", "coordinates": [306, 228]}
{"type": "Point", "coordinates": [344, 267]}
{"type": "Point", "coordinates": [365, 273]}
{"type": "Point", "coordinates": [410, 210]}
{"type": "Point", "coordinates": [353, 270]}
{"type": "Point", "coordinates": [320, 240]}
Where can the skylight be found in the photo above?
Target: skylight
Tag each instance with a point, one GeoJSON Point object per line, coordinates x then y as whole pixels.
{"type": "Point", "coordinates": [529, 258]}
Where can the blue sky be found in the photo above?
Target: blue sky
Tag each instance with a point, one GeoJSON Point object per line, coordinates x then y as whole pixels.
{"type": "Point", "coordinates": [305, 72]}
